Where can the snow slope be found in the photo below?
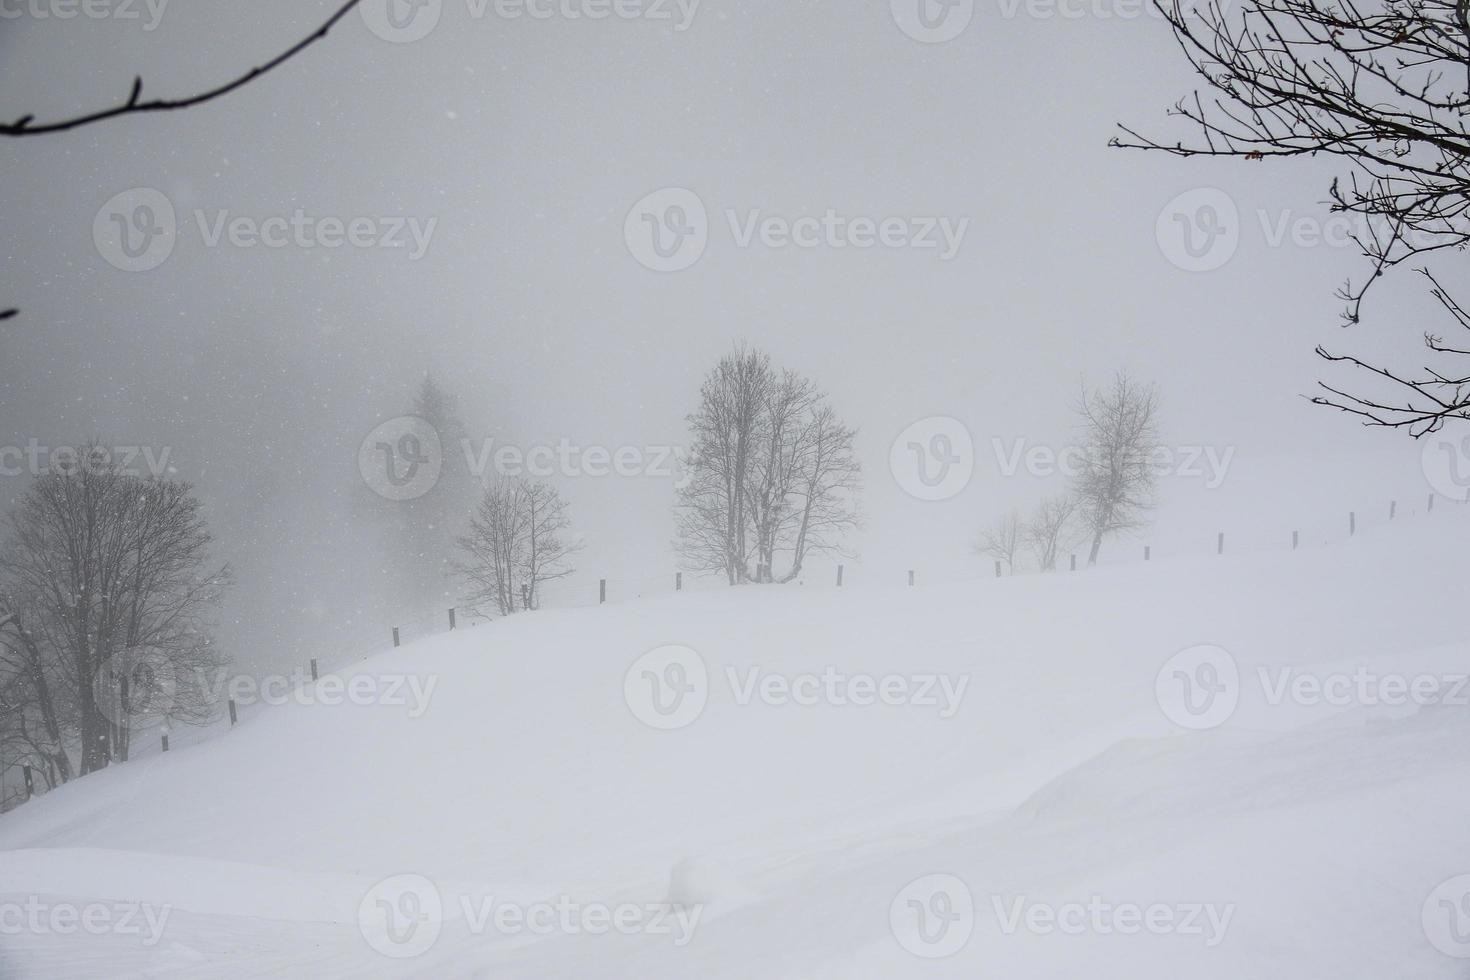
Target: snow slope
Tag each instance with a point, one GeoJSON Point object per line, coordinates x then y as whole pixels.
{"type": "Point", "coordinates": [827, 839]}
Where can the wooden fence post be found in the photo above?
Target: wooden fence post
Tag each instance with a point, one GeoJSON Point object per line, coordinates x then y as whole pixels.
{"type": "Point", "coordinates": [997, 568]}
{"type": "Point", "coordinates": [395, 636]}
{"type": "Point", "coordinates": [911, 578]}
{"type": "Point", "coordinates": [451, 617]}
{"type": "Point", "coordinates": [525, 596]}
{"type": "Point", "coordinates": [1296, 537]}
{"type": "Point", "coordinates": [314, 675]}
{"type": "Point", "coordinates": [234, 714]}
{"type": "Point", "coordinates": [1220, 544]}
{"type": "Point", "coordinates": [1074, 563]}
{"type": "Point", "coordinates": [1146, 552]}
{"type": "Point", "coordinates": [1431, 503]}
{"type": "Point", "coordinates": [1352, 523]}
{"type": "Point", "coordinates": [165, 742]}
{"type": "Point", "coordinates": [30, 783]}
{"type": "Point", "coordinates": [601, 591]}
{"type": "Point", "coordinates": [839, 576]}
{"type": "Point", "coordinates": [1393, 507]}
{"type": "Point", "coordinates": [678, 581]}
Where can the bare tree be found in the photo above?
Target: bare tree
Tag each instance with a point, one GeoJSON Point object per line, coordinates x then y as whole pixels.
{"type": "Point", "coordinates": [515, 544]}
{"type": "Point", "coordinates": [1003, 540]}
{"type": "Point", "coordinates": [106, 566]}
{"type": "Point", "coordinates": [772, 472]}
{"type": "Point", "coordinates": [1114, 488]}
{"type": "Point", "coordinates": [726, 431]}
{"type": "Point", "coordinates": [1384, 88]}
{"type": "Point", "coordinates": [35, 727]}
{"type": "Point", "coordinates": [1050, 530]}
{"type": "Point", "coordinates": [827, 482]}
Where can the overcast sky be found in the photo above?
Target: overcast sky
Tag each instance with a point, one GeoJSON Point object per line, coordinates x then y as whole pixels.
{"type": "Point", "coordinates": [524, 143]}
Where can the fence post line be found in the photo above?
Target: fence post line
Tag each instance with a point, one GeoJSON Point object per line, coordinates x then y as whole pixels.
{"type": "Point", "coordinates": [911, 578]}
{"type": "Point", "coordinates": [1352, 523]}
{"type": "Point", "coordinates": [1393, 508]}
{"type": "Point", "coordinates": [451, 617]}
{"type": "Point", "coordinates": [678, 581]}
{"type": "Point", "coordinates": [314, 675]}
{"type": "Point", "coordinates": [1146, 552]}
{"type": "Point", "coordinates": [525, 596]}
{"type": "Point", "coordinates": [395, 636]}
{"type": "Point", "coordinates": [839, 576]}
{"type": "Point", "coordinates": [1074, 563]}
{"type": "Point", "coordinates": [1220, 543]}
{"type": "Point", "coordinates": [1296, 537]}
{"type": "Point", "coordinates": [234, 714]}
{"type": "Point", "coordinates": [30, 783]}
{"type": "Point", "coordinates": [165, 742]}
{"type": "Point", "coordinates": [601, 591]}
{"type": "Point", "coordinates": [1431, 503]}
{"type": "Point", "coordinates": [997, 568]}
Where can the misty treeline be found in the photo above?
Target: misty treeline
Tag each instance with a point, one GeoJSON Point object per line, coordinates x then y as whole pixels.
{"type": "Point", "coordinates": [771, 477]}
{"type": "Point", "coordinates": [106, 593]}
{"type": "Point", "coordinates": [1382, 89]}
{"type": "Point", "coordinates": [1111, 491]}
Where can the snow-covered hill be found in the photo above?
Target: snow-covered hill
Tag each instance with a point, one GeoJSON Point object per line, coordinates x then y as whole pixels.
{"type": "Point", "coordinates": [1249, 766]}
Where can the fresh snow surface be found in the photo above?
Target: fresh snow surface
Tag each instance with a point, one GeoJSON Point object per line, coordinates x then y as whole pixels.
{"type": "Point", "coordinates": [773, 841]}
